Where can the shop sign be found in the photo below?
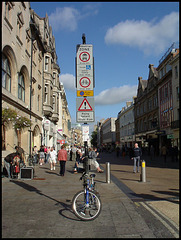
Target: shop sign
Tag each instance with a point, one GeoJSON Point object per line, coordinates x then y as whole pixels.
{"type": "Point", "coordinates": [170, 136]}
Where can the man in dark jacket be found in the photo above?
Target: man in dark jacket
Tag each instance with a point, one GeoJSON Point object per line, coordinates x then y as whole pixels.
{"type": "Point", "coordinates": [136, 154]}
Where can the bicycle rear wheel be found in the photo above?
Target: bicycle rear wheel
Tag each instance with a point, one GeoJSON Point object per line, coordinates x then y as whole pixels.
{"type": "Point", "coordinates": [84, 212]}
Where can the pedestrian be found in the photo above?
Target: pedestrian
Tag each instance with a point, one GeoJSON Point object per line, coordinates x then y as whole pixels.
{"type": "Point", "coordinates": [117, 151]}
{"type": "Point", "coordinates": [93, 154]}
{"type": "Point", "coordinates": [78, 157]}
{"type": "Point", "coordinates": [176, 153]}
{"type": "Point", "coordinates": [136, 154]}
{"type": "Point", "coordinates": [52, 158]}
{"type": "Point", "coordinates": [71, 154]}
{"type": "Point", "coordinates": [62, 158]}
{"type": "Point", "coordinates": [152, 152]}
{"type": "Point", "coordinates": [74, 149]}
{"type": "Point", "coordinates": [164, 153]}
{"type": "Point", "coordinates": [35, 154]}
{"type": "Point", "coordinates": [41, 156]}
{"type": "Point", "coordinates": [45, 151]}
{"type": "Point", "coordinates": [48, 154]}
{"type": "Point", "coordinates": [123, 151]}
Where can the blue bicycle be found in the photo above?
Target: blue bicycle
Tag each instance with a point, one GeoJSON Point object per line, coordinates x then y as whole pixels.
{"type": "Point", "coordinates": [86, 203]}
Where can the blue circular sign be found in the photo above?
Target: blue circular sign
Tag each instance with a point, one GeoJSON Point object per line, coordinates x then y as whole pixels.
{"type": "Point", "coordinates": [82, 93]}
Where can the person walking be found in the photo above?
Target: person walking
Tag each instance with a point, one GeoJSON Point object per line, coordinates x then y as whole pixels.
{"type": "Point", "coordinates": [42, 156]}
{"type": "Point", "coordinates": [74, 150]}
{"type": "Point", "coordinates": [152, 152]}
{"type": "Point", "coordinates": [52, 158]}
{"type": "Point", "coordinates": [136, 154]}
{"type": "Point", "coordinates": [48, 153]}
{"type": "Point", "coordinates": [35, 154]}
{"type": "Point", "coordinates": [164, 153]}
{"type": "Point", "coordinates": [62, 158]}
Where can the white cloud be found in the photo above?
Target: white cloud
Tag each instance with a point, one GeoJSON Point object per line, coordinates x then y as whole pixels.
{"type": "Point", "coordinates": [116, 95]}
{"type": "Point", "coordinates": [68, 81]}
{"type": "Point", "coordinates": [64, 18]}
{"type": "Point", "coordinates": [67, 17]}
{"type": "Point", "coordinates": [148, 36]}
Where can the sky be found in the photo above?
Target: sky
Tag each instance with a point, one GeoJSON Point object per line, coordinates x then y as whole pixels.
{"type": "Point", "coordinates": [126, 38]}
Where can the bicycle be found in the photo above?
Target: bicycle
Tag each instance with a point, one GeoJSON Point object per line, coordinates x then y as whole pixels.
{"type": "Point", "coordinates": [86, 204]}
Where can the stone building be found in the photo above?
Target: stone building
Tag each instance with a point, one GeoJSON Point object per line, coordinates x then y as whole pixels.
{"type": "Point", "coordinates": [126, 125]}
{"type": "Point", "coordinates": [165, 97]}
{"type": "Point", "coordinates": [146, 111]}
{"type": "Point", "coordinates": [22, 83]}
{"type": "Point", "coordinates": [30, 79]}
{"type": "Point", "coordinates": [175, 89]}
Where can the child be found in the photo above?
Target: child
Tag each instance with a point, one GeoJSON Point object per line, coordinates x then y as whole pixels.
{"type": "Point", "coordinates": [52, 158]}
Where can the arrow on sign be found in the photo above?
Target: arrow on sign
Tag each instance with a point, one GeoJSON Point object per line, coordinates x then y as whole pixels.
{"type": "Point", "coordinates": [85, 106]}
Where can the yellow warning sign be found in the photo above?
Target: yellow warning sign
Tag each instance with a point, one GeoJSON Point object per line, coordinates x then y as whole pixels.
{"type": "Point", "coordinates": [87, 93]}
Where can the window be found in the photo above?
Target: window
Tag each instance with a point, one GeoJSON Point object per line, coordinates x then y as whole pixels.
{"type": "Point", "coordinates": [6, 74]}
{"type": "Point", "coordinates": [38, 103]}
{"type": "Point", "coordinates": [168, 68]}
{"type": "Point", "coordinates": [46, 63]}
{"type": "Point", "coordinates": [46, 94]}
{"type": "Point", "coordinates": [20, 23]}
{"type": "Point", "coordinates": [166, 91]}
{"type": "Point", "coordinates": [8, 13]}
{"type": "Point", "coordinates": [54, 78]}
{"type": "Point", "coordinates": [53, 103]}
{"type": "Point", "coordinates": [176, 72]}
{"type": "Point", "coordinates": [177, 93]}
{"type": "Point", "coordinates": [161, 73]}
{"type": "Point", "coordinates": [21, 87]}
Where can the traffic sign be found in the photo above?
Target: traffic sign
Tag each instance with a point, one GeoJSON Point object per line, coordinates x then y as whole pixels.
{"type": "Point", "coordinates": [85, 132]}
{"type": "Point", "coordinates": [85, 83]}
{"type": "Point", "coordinates": [86, 93]}
{"type": "Point", "coordinates": [85, 104]}
{"type": "Point", "coordinates": [84, 54]}
{"type": "Point", "coordinates": [85, 109]}
{"type": "Point", "coordinates": [85, 70]}
{"type": "Point", "coordinates": [84, 117]}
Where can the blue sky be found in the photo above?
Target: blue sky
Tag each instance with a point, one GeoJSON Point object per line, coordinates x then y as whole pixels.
{"type": "Point", "coordinates": [126, 38]}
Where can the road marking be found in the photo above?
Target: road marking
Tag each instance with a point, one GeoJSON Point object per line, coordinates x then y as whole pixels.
{"type": "Point", "coordinates": [176, 235]}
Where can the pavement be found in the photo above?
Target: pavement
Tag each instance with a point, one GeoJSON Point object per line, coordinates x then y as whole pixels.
{"type": "Point", "coordinates": [41, 207]}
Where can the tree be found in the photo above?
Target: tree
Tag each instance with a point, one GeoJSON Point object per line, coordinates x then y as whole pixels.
{"type": "Point", "coordinates": [94, 138]}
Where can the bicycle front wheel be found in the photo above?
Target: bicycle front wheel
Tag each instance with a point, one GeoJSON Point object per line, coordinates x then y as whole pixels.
{"type": "Point", "coordinates": [85, 211]}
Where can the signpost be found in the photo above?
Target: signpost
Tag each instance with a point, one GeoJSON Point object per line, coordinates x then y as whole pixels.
{"type": "Point", "coordinates": [85, 90]}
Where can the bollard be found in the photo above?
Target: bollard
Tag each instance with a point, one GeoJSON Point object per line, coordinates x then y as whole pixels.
{"type": "Point", "coordinates": [108, 172]}
{"type": "Point", "coordinates": [143, 171]}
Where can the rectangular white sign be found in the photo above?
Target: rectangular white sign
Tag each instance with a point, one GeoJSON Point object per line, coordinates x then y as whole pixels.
{"type": "Point", "coordinates": [85, 117]}
{"type": "Point", "coordinates": [84, 54]}
{"type": "Point", "coordinates": [85, 132]}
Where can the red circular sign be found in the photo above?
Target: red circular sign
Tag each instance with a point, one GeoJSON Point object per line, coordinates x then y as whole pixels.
{"type": "Point", "coordinates": [85, 82]}
{"type": "Point", "coordinates": [84, 57]}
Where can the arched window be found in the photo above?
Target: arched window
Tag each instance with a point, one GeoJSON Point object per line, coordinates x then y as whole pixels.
{"type": "Point", "coordinates": [6, 73]}
{"type": "Point", "coordinates": [21, 87]}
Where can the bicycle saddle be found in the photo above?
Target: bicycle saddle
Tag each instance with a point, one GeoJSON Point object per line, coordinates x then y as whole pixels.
{"type": "Point", "coordinates": [92, 175]}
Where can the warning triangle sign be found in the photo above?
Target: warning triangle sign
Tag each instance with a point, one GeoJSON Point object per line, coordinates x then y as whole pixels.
{"type": "Point", "coordinates": [85, 106]}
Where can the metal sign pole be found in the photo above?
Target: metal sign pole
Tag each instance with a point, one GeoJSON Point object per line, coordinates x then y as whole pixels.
{"type": "Point", "coordinates": [86, 165]}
